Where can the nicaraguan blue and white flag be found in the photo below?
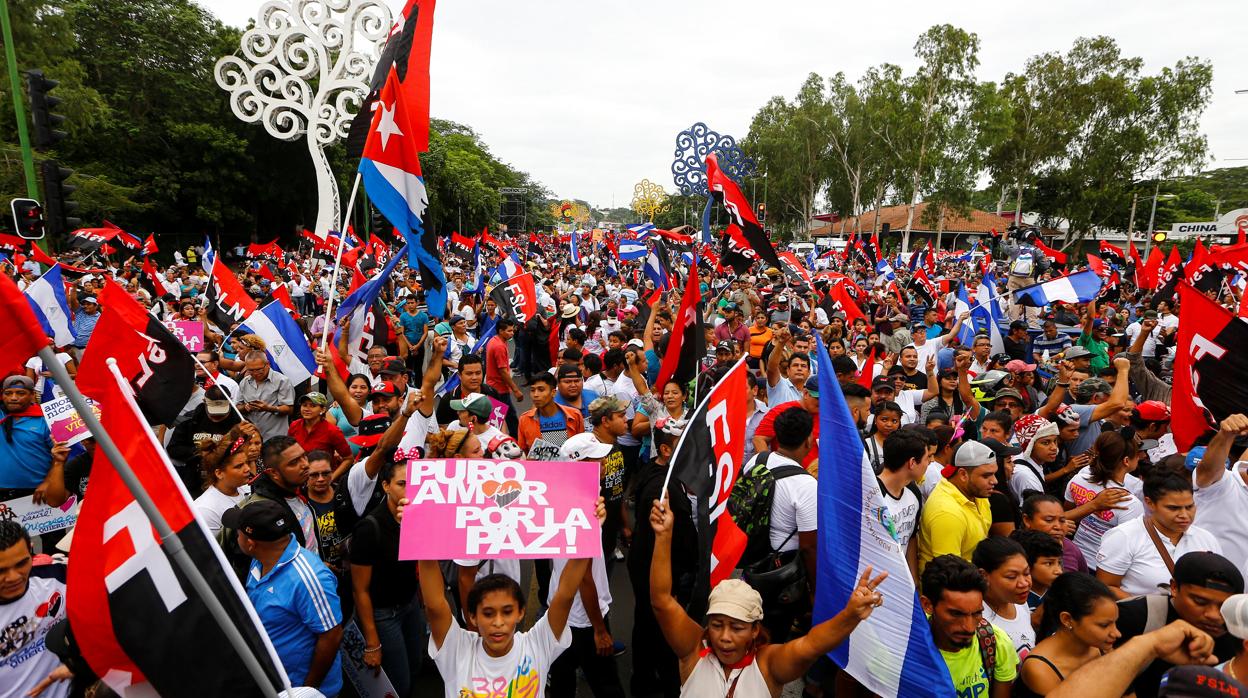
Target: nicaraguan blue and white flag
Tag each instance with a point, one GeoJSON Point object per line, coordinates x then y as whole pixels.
{"type": "Point", "coordinates": [285, 344]}
{"type": "Point", "coordinates": [613, 270]}
{"type": "Point", "coordinates": [884, 273]}
{"type": "Point", "coordinates": [966, 335]}
{"type": "Point", "coordinates": [642, 231]}
{"type": "Point", "coordinates": [892, 652]}
{"type": "Point", "coordinates": [987, 312]}
{"type": "Point", "coordinates": [1080, 287]}
{"type": "Point", "coordinates": [46, 296]}
{"type": "Point", "coordinates": [656, 271]}
{"type": "Point", "coordinates": [631, 250]}
{"type": "Point", "coordinates": [507, 268]}
{"type": "Point", "coordinates": [574, 247]}
{"type": "Point", "coordinates": [452, 383]}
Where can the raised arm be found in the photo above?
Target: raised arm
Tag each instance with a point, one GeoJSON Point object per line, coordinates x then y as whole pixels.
{"type": "Point", "coordinates": [682, 633]}
{"type": "Point", "coordinates": [432, 373]}
{"type": "Point", "coordinates": [788, 662]}
{"type": "Point", "coordinates": [433, 593]}
{"type": "Point", "coordinates": [963, 364]}
{"type": "Point", "coordinates": [948, 337]}
{"type": "Point", "coordinates": [350, 408]}
{"type": "Point", "coordinates": [1120, 394]}
{"type": "Point", "coordinates": [1212, 467]}
{"type": "Point", "coordinates": [1058, 394]}
{"type": "Point", "coordinates": [779, 343]}
{"type": "Point", "coordinates": [647, 341]}
{"type": "Point", "coordinates": [570, 584]}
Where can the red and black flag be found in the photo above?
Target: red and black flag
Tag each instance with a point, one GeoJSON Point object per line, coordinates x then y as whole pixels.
{"type": "Point", "coordinates": [89, 239]}
{"type": "Point", "coordinates": [728, 194]}
{"type": "Point", "coordinates": [462, 246]}
{"type": "Point", "coordinates": [137, 619]}
{"type": "Point", "coordinates": [149, 245]}
{"type": "Point", "coordinates": [156, 362]}
{"type": "Point", "coordinates": [1113, 254]}
{"type": "Point", "coordinates": [735, 252]}
{"type": "Point", "coordinates": [922, 287]}
{"type": "Point", "coordinates": [1136, 262]}
{"type": "Point", "coordinates": [1209, 367]}
{"type": "Point", "coordinates": [1168, 277]}
{"type": "Point", "coordinates": [228, 302]}
{"type": "Point", "coordinates": [837, 300]}
{"type": "Point", "coordinates": [1146, 276]}
{"type": "Point", "coordinates": [278, 290]}
{"type": "Point", "coordinates": [686, 345]}
{"type": "Point", "coordinates": [150, 279]}
{"type": "Point", "coordinates": [707, 460]}
{"type": "Point", "coordinates": [516, 298]}
{"type": "Point", "coordinates": [795, 271]}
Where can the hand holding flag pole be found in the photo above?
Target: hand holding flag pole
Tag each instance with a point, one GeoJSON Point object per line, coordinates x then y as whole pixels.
{"type": "Point", "coordinates": [169, 541]}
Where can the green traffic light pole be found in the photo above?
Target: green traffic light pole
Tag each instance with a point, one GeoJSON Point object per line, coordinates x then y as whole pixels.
{"type": "Point", "coordinates": [15, 84]}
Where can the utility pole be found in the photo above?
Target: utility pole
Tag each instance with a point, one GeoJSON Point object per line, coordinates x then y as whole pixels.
{"type": "Point", "coordinates": [15, 89]}
{"type": "Point", "coordinates": [1148, 245]}
{"type": "Point", "coordinates": [1131, 226]}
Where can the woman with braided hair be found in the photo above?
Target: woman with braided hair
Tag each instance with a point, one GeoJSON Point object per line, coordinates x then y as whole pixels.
{"type": "Point", "coordinates": [227, 470]}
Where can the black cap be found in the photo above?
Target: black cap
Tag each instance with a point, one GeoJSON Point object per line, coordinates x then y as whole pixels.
{"type": "Point", "coordinates": [883, 382]}
{"type": "Point", "coordinates": [394, 366]}
{"type": "Point", "coordinates": [1209, 570]}
{"type": "Point", "coordinates": [263, 520]}
{"type": "Point", "coordinates": [567, 371]}
{"type": "Point", "coordinates": [1194, 681]}
{"type": "Point", "coordinates": [1018, 325]}
{"type": "Point", "coordinates": [1002, 450]}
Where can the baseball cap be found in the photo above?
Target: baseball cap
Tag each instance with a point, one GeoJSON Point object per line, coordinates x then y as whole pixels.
{"type": "Point", "coordinates": [1153, 411]}
{"type": "Point", "coordinates": [973, 454]}
{"type": "Point", "coordinates": [370, 430]}
{"type": "Point", "coordinates": [604, 406]}
{"type": "Point", "coordinates": [1193, 681]}
{"type": "Point", "coordinates": [1019, 366]}
{"type": "Point", "coordinates": [1209, 570]}
{"type": "Point", "coordinates": [474, 403]}
{"type": "Point", "coordinates": [19, 381]}
{"type": "Point", "coordinates": [812, 387]}
{"type": "Point", "coordinates": [1150, 314]}
{"type": "Point", "coordinates": [737, 600]}
{"type": "Point", "coordinates": [89, 299]}
{"type": "Point", "coordinates": [567, 371]}
{"type": "Point", "coordinates": [732, 306]}
{"type": "Point", "coordinates": [384, 389]}
{"type": "Point", "coordinates": [724, 346]}
{"type": "Point", "coordinates": [584, 445]}
{"type": "Point", "coordinates": [263, 520]}
{"type": "Point", "coordinates": [1018, 325]}
{"type": "Point", "coordinates": [1077, 353]}
{"type": "Point", "coordinates": [393, 367]}
{"type": "Point", "coordinates": [1000, 450]}
{"type": "Point", "coordinates": [1092, 386]}
{"type": "Point", "coordinates": [1235, 614]}
{"type": "Point", "coordinates": [782, 298]}
{"type": "Point", "coordinates": [883, 383]}
{"type": "Point", "coordinates": [216, 408]}
{"type": "Point", "coordinates": [1008, 392]}
{"type": "Point", "coordinates": [315, 398]}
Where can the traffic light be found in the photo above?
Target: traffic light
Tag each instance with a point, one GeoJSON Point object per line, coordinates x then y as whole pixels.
{"type": "Point", "coordinates": [56, 195]}
{"type": "Point", "coordinates": [762, 212]}
{"type": "Point", "coordinates": [27, 218]}
{"type": "Point", "coordinates": [1159, 236]}
{"type": "Point", "coordinates": [41, 105]}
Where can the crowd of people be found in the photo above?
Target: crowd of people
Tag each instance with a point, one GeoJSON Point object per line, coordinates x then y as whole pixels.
{"type": "Point", "coordinates": [1059, 540]}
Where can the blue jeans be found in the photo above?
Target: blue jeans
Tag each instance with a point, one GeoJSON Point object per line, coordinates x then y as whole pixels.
{"type": "Point", "coordinates": [402, 632]}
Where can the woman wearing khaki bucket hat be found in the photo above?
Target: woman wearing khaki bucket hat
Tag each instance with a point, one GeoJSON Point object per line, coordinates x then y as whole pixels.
{"type": "Point", "coordinates": [731, 656]}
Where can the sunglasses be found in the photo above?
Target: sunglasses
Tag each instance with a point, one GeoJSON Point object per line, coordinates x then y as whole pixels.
{"type": "Point", "coordinates": [318, 476]}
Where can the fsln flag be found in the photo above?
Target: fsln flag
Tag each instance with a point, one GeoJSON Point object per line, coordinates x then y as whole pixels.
{"type": "Point", "coordinates": [1209, 366]}
{"type": "Point", "coordinates": [284, 341]}
{"type": "Point", "coordinates": [46, 296]}
{"type": "Point", "coordinates": [1079, 287]}
{"type": "Point", "coordinates": [728, 194]}
{"type": "Point", "coordinates": [156, 362]}
{"type": "Point", "coordinates": [20, 340]}
{"type": "Point", "coordinates": [137, 619]}
{"type": "Point", "coordinates": [707, 460]}
{"type": "Point", "coordinates": [687, 343]}
{"type": "Point", "coordinates": [228, 302]}
{"type": "Point", "coordinates": [892, 653]}
{"type": "Point", "coordinates": [390, 165]}
{"type": "Point", "coordinates": [516, 297]}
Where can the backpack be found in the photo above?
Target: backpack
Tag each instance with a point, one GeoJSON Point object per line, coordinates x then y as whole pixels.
{"type": "Point", "coordinates": [986, 639]}
{"type": "Point", "coordinates": [750, 505]}
{"type": "Point", "coordinates": [1023, 264]}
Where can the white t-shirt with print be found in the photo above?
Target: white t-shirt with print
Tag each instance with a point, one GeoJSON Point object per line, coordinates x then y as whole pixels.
{"type": "Point", "coordinates": [24, 623]}
{"type": "Point", "coordinates": [467, 670]}
{"type": "Point", "coordinates": [1019, 629]}
{"type": "Point", "coordinates": [1080, 490]}
{"type": "Point", "coordinates": [1128, 550]}
{"type": "Point", "coordinates": [903, 513]}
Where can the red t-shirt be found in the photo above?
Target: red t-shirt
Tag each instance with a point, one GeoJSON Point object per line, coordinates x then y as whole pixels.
{"type": "Point", "coordinates": [324, 436]}
{"type": "Point", "coordinates": [767, 429]}
{"type": "Point", "coordinates": [497, 363]}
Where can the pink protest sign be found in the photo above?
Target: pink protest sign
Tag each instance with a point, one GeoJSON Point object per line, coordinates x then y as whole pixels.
{"type": "Point", "coordinates": [509, 510]}
{"type": "Point", "coordinates": [63, 420]}
{"type": "Point", "coordinates": [498, 416]}
{"type": "Point", "coordinates": [191, 332]}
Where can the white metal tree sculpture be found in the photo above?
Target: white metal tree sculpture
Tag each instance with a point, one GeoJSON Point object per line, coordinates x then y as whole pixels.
{"type": "Point", "coordinates": [304, 71]}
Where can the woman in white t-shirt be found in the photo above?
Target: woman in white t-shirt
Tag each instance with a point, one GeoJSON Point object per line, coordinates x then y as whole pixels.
{"type": "Point", "coordinates": [1003, 563]}
{"type": "Point", "coordinates": [1104, 494]}
{"type": "Point", "coordinates": [496, 659]}
{"type": "Point", "coordinates": [227, 468]}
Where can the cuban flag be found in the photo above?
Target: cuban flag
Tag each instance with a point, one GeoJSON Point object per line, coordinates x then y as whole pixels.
{"type": "Point", "coordinates": [1080, 287]}
{"type": "Point", "coordinates": [892, 652]}
{"type": "Point", "coordinates": [987, 312]}
{"type": "Point", "coordinates": [390, 164]}
{"type": "Point", "coordinates": [642, 232]}
{"type": "Point", "coordinates": [631, 250]}
{"type": "Point", "coordinates": [284, 341]}
{"type": "Point", "coordinates": [46, 296]}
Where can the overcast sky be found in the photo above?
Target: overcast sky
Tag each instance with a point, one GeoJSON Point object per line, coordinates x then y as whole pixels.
{"type": "Point", "coordinates": [588, 95]}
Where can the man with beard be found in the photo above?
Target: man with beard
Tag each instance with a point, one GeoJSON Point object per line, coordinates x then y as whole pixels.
{"type": "Point", "coordinates": [957, 515]}
{"type": "Point", "coordinates": [953, 598]}
{"type": "Point", "coordinates": [471, 380]}
{"type": "Point", "coordinates": [25, 443]}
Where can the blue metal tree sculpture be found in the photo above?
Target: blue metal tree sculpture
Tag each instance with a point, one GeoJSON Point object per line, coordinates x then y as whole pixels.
{"type": "Point", "coordinates": [689, 165]}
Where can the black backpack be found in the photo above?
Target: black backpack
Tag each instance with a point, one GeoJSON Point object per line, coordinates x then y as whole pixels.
{"type": "Point", "coordinates": [750, 502]}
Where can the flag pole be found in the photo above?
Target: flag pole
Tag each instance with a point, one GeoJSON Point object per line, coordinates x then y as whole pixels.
{"type": "Point", "coordinates": [169, 542]}
{"type": "Point", "coordinates": [333, 279]}
{"type": "Point", "coordinates": [232, 398]}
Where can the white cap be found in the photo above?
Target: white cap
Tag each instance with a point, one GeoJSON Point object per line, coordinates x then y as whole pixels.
{"type": "Point", "coordinates": [1235, 613]}
{"type": "Point", "coordinates": [583, 446]}
{"type": "Point", "coordinates": [973, 454]}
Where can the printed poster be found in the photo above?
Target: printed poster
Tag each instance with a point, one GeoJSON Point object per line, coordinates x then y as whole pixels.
{"type": "Point", "coordinates": [64, 422]}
